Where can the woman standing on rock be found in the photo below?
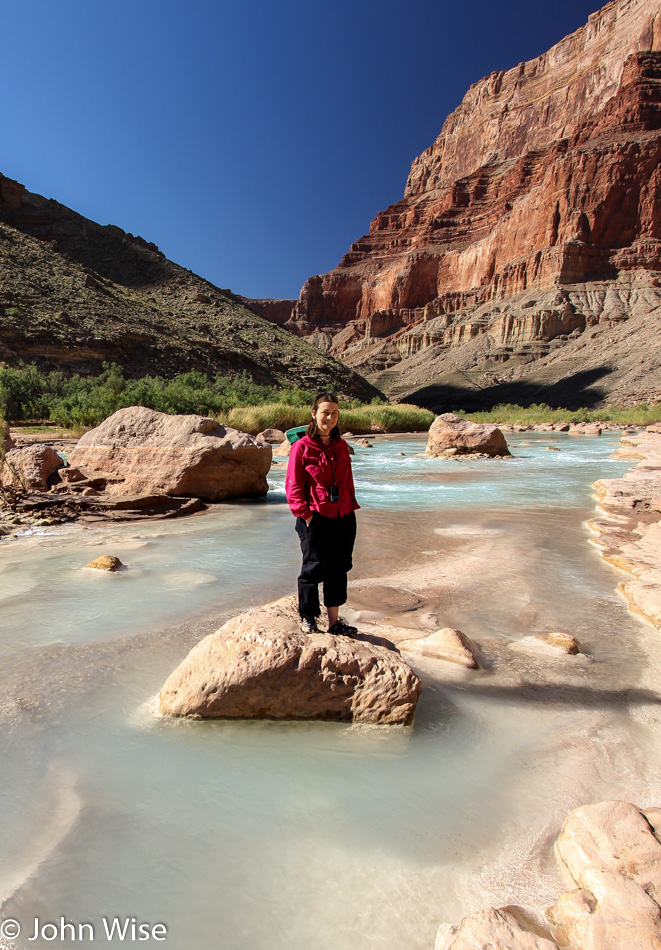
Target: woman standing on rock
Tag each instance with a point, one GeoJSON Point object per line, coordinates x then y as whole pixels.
{"type": "Point", "coordinates": [321, 496]}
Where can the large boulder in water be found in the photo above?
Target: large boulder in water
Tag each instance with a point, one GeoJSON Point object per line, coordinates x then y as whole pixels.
{"type": "Point", "coordinates": [260, 666]}
{"type": "Point", "coordinates": [142, 452]}
{"type": "Point", "coordinates": [613, 836]}
{"type": "Point", "coordinates": [452, 435]}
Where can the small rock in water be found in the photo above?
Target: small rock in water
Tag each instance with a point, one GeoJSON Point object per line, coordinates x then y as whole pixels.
{"type": "Point", "coordinates": [562, 641]}
{"type": "Point", "coordinates": [283, 449]}
{"type": "Point", "coordinates": [274, 436]}
{"type": "Point", "coordinates": [107, 562]}
{"type": "Point", "coordinates": [445, 644]}
{"type": "Point", "coordinates": [556, 642]}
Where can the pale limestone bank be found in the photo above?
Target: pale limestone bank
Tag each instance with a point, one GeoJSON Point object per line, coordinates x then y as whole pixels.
{"type": "Point", "coordinates": [628, 528]}
{"type": "Point", "coordinates": [612, 853]}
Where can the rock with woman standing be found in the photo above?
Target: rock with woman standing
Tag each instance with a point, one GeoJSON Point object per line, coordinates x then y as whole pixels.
{"type": "Point", "coordinates": [142, 452]}
{"type": "Point", "coordinates": [259, 665]}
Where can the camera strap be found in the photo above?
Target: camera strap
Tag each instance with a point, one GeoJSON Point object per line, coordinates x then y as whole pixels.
{"type": "Point", "coordinates": [331, 461]}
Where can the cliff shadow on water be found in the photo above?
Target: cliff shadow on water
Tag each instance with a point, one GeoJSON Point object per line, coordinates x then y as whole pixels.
{"type": "Point", "coordinates": [460, 391]}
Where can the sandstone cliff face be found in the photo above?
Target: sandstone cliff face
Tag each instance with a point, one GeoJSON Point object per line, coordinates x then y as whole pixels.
{"type": "Point", "coordinates": [546, 178]}
{"type": "Point", "coordinates": [274, 310]}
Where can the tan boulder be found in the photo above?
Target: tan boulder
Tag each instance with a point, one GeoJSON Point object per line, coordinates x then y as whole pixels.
{"type": "Point", "coordinates": [30, 467]}
{"type": "Point", "coordinates": [611, 912]}
{"type": "Point", "coordinates": [72, 474]}
{"type": "Point", "coordinates": [259, 665]}
{"type": "Point", "coordinates": [585, 428]}
{"type": "Point", "coordinates": [449, 431]}
{"type": "Point", "coordinates": [272, 436]}
{"type": "Point", "coordinates": [549, 643]}
{"type": "Point", "coordinates": [503, 928]}
{"type": "Point", "coordinates": [283, 450]}
{"type": "Point", "coordinates": [140, 451]}
{"type": "Point", "coordinates": [107, 562]}
{"type": "Point", "coordinates": [445, 644]}
{"type": "Point", "coordinates": [611, 836]}
{"type": "Point", "coordinates": [564, 642]}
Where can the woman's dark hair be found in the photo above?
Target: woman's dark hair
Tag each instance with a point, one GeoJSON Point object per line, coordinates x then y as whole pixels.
{"type": "Point", "coordinates": [312, 430]}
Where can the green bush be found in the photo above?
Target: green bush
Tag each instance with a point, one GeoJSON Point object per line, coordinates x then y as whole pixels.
{"type": "Point", "coordinates": [28, 394]}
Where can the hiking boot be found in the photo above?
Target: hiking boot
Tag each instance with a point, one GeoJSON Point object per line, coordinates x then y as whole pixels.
{"type": "Point", "coordinates": [342, 629]}
{"type": "Point", "coordinates": [309, 625]}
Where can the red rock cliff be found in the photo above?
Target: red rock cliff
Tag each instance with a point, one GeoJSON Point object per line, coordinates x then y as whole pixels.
{"type": "Point", "coordinates": [546, 176]}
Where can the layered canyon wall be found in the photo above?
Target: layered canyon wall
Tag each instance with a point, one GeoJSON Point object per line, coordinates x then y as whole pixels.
{"type": "Point", "coordinates": [534, 218]}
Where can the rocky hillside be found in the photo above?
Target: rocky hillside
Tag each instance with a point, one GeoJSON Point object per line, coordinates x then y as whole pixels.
{"type": "Point", "coordinates": [74, 293]}
{"type": "Point", "coordinates": [524, 260]}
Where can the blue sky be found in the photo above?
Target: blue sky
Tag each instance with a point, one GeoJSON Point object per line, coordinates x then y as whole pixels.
{"type": "Point", "coordinates": [252, 141]}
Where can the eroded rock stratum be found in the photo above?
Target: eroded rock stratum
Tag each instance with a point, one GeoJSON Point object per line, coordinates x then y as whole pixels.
{"type": "Point", "coordinates": [525, 255]}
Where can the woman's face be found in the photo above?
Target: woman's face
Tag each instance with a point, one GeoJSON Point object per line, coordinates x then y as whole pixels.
{"type": "Point", "coordinates": [325, 416]}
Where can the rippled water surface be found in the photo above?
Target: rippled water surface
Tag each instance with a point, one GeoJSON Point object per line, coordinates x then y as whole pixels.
{"type": "Point", "coordinates": [313, 835]}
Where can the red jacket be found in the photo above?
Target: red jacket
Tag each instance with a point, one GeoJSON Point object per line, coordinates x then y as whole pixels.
{"type": "Point", "coordinates": [312, 469]}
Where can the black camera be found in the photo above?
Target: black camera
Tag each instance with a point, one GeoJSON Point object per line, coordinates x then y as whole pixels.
{"type": "Point", "coordinates": [333, 493]}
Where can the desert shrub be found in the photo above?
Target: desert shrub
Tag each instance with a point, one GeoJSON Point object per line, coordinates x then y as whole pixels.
{"type": "Point", "coordinates": [254, 419]}
{"type": "Point", "coordinates": [396, 418]}
{"type": "Point", "coordinates": [640, 415]}
{"type": "Point", "coordinates": [353, 417]}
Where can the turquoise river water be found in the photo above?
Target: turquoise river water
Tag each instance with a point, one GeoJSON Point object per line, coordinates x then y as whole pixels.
{"type": "Point", "coordinates": [312, 836]}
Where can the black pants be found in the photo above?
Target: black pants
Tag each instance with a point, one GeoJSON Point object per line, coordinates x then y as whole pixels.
{"type": "Point", "coordinates": [326, 546]}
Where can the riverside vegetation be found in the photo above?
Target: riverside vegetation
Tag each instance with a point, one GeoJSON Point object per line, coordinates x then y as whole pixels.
{"type": "Point", "coordinates": [506, 413]}
{"type": "Point", "coordinates": [79, 402]}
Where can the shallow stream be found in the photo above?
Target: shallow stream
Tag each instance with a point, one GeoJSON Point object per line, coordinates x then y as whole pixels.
{"type": "Point", "coordinates": [263, 835]}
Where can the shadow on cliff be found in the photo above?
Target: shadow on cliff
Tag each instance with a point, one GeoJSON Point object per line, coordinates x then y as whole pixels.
{"type": "Point", "coordinates": [573, 392]}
